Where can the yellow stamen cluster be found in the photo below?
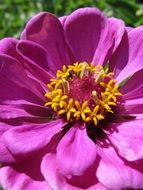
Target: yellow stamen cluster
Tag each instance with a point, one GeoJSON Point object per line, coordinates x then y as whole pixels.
{"type": "Point", "coordinates": [73, 109]}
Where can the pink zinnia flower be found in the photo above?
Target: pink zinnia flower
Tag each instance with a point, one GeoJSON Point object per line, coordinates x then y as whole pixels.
{"type": "Point", "coordinates": [71, 104]}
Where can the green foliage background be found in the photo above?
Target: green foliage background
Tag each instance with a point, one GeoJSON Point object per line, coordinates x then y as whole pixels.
{"type": "Point", "coordinates": [15, 13]}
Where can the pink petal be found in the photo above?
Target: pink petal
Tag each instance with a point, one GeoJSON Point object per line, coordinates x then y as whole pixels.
{"type": "Point", "coordinates": [35, 62]}
{"type": "Point", "coordinates": [111, 36]}
{"type": "Point", "coordinates": [11, 179]}
{"type": "Point", "coordinates": [88, 180]}
{"type": "Point", "coordinates": [133, 88]}
{"type": "Point", "coordinates": [133, 96]}
{"type": "Point", "coordinates": [37, 74]}
{"type": "Point", "coordinates": [8, 46]}
{"type": "Point", "coordinates": [16, 87]}
{"type": "Point", "coordinates": [33, 51]}
{"type": "Point", "coordinates": [9, 112]}
{"type": "Point", "coordinates": [27, 139]}
{"type": "Point", "coordinates": [25, 175]}
{"type": "Point", "coordinates": [6, 156]}
{"type": "Point", "coordinates": [133, 107]}
{"type": "Point", "coordinates": [98, 186]}
{"type": "Point", "coordinates": [14, 79]}
{"type": "Point", "coordinates": [58, 181]}
{"type": "Point", "coordinates": [51, 174]}
{"type": "Point", "coordinates": [91, 36]}
{"type": "Point", "coordinates": [128, 58]}
{"type": "Point", "coordinates": [83, 28]}
{"type": "Point", "coordinates": [23, 110]}
{"type": "Point", "coordinates": [127, 138]}
{"type": "Point", "coordinates": [114, 174]}
{"type": "Point", "coordinates": [36, 54]}
{"type": "Point", "coordinates": [72, 151]}
{"type": "Point", "coordinates": [120, 58]}
{"type": "Point", "coordinates": [46, 30]}
{"type": "Point", "coordinates": [128, 28]}
{"type": "Point", "coordinates": [63, 19]}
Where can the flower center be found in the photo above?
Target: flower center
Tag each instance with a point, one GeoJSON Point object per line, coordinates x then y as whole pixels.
{"type": "Point", "coordinates": [84, 92]}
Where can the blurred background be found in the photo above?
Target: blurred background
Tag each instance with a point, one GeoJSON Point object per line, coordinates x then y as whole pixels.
{"type": "Point", "coordinates": [15, 13]}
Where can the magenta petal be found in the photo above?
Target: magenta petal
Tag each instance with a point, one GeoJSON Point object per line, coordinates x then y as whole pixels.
{"type": "Point", "coordinates": [35, 61]}
{"type": "Point", "coordinates": [88, 180]}
{"type": "Point", "coordinates": [111, 36]}
{"type": "Point", "coordinates": [128, 58]}
{"type": "Point", "coordinates": [6, 156]}
{"type": "Point", "coordinates": [63, 19]}
{"type": "Point", "coordinates": [133, 96]}
{"type": "Point", "coordinates": [114, 174]}
{"type": "Point", "coordinates": [22, 109]}
{"type": "Point", "coordinates": [51, 174]}
{"type": "Point", "coordinates": [120, 58]}
{"type": "Point", "coordinates": [133, 108]}
{"type": "Point", "coordinates": [98, 186]}
{"type": "Point", "coordinates": [11, 179]}
{"type": "Point", "coordinates": [14, 79]}
{"type": "Point", "coordinates": [26, 51]}
{"type": "Point", "coordinates": [91, 36]}
{"type": "Point", "coordinates": [133, 88]}
{"type": "Point", "coordinates": [57, 181]}
{"type": "Point", "coordinates": [128, 139]}
{"type": "Point", "coordinates": [128, 28]}
{"type": "Point", "coordinates": [10, 112]}
{"type": "Point", "coordinates": [25, 175]}
{"type": "Point", "coordinates": [72, 152]}
{"type": "Point", "coordinates": [83, 28]}
{"type": "Point", "coordinates": [25, 140]}
{"type": "Point", "coordinates": [33, 51]}
{"type": "Point", "coordinates": [8, 46]}
{"type": "Point", "coordinates": [46, 30]}
{"type": "Point", "coordinates": [37, 74]}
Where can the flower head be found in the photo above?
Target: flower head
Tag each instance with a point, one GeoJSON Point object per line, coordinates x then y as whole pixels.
{"type": "Point", "coordinates": [71, 104]}
{"type": "Point", "coordinates": [83, 92]}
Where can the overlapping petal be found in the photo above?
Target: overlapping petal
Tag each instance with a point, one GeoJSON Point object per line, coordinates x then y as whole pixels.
{"type": "Point", "coordinates": [24, 110]}
{"type": "Point", "coordinates": [128, 58]}
{"type": "Point", "coordinates": [133, 99]}
{"type": "Point", "coordinates": [13, 79]}
{"type": "Point", "coordinates": [17, 90]}
{"type": "Point", "coordinates": [72, 152]}
{"type": "Point", "coordinates": [46, 30]}
{"type": "Point", "coordinates": [25, 140]}
{"type": "Point", "coordinates": [33, 52]}
{"type": "Point", "coordinates": [127, 138]}
{"type": "Point", "coordinates": [58, 181]}
{"type": "Point", "coordinates": [22, 176]}
{"type": "Point", "coordinates": [51, 174]}
{"type": "Point", "coordinates": [133, 88]}
{"type": "Point", "coordinates": [35, 62]}
{"type": "Point", "coordinates": [114, 174]}
{"type": "Point", "coordinates": [6, 157]}
{"type": "Point", "coordinates": [8, 46]}
{"type": "Point", "coordinates": [87, 30]}
{"type": "Point", "coordinates": [32, 56]}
